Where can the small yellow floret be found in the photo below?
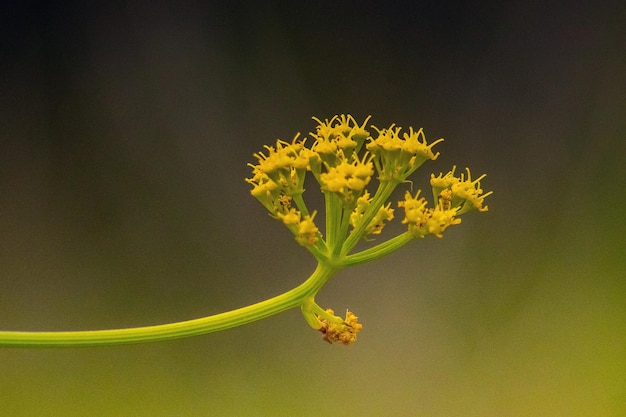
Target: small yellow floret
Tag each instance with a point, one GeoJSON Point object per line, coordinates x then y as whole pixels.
{"type": "Point", "coordinates": [307, 231]}
{"type": "Point", "coordinates": [422, 221]}
{"type": "Point", "coordinates": [385, 214]}
{"type": "Point", "coordinates": [285, 165]}
{"type": "Point", "coordinates": [439, 220]}
{"type": "Point", "coordinates": [414, 208]}
{"type": "Point", "coordinates": [464, 194]}
{"type": "Point", "coordinates": [292, 217]}
{"type": "Point", "coordinates": [341, 134]}
{"type": "Point", "coordinates": [362, 204]}
{"type": "Point", "coordinates": [284, 156]}
{"type": "Point", "coordinates": [338, 330]}
{"type": "Point", "coordinates": [397, 157]}
{"type": "Point", "coordinates": [348, 178]}
{"type": "Point", "coordinates": [470, 191]}
{"type": "Point", "coordinates": [444, 181]}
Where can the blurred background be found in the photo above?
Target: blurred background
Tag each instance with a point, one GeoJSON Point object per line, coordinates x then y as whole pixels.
{"type": "Point", "coordinates": [125, 130]}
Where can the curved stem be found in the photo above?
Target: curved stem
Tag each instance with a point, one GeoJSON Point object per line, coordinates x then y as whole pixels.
{"type": "Point", "coordinates": [217, 322]}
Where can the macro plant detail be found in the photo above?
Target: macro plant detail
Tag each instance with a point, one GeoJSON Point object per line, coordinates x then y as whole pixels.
{"type": "Point", "coordinates": [356, 173]}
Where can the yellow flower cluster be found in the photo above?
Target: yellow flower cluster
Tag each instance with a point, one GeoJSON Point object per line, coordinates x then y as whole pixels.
{"type": "Point", "coordinates": [344, 158]}
{"type": "Point", "coordinates": [280, 173]}
{"type": "Point", "coordinates": [454, 196]}
{"type": "Point", "coordinates": [465, 193]}
{"type": "Point", "coordinates": [375, 226]}
{"type": "Point", "coordinates": [278, 177]}
{"type": "Point", "coordinates": [338, 138]}
{"type": "Point", "coordinates": [399, 157]}
{"type": "Point", "coordinates": [348, 179]}
{"type": "Point", "coordinates": [340, 330]}
{"type": "Point", "coordinates": [304, 229]}
{"type": "Point", "coordinates": [422, 220]}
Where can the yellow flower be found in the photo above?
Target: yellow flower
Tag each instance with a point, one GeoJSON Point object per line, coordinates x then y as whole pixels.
{"type": "Point", "coordinates": [285, 165]}
{"type": "Point", "coordinates": [292, 217]}
{"type": "Point", "coordinates": [422, 220]}
{"type": "Point", "coordinates": [304, 229]}
{"type": "Point", "coordinates": [341, 134]}
{"type": "Point", "coordinates": [396, 158]}
{"type": "Point", "coordinates": [265, 190]}
{"type": "Point", "coordinates": [464, 194]}
{"type": "Point", "coordinates": [375, 226]}
{"type": "Point", "coordinates": [362, 204]}
{"type": "Point", "coordinates": [415, 213]}
{"type": "Point", "coordinates": [441, 182]}
{"type": "Point", "coordinates": [471, 193]}
{"type": "Point", "coordinates": [307, 231]}
{"type": "Point", "coordinates": [284, 156]}
{"type": "Point", "coordinates": [338, 330]}
{"type": "Point", "coordinates": [439, 220]}
{"type": "Point", "coordinates": [384, 214]}
{"type": "Point", "coordinates": [348, 179]}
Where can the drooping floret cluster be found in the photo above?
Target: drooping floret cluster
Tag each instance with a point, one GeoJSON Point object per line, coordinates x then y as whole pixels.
{"type": "Point", "coordinates": [335, 329]}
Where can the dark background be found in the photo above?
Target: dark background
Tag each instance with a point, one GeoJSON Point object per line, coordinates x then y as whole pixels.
{"type": "Point", "coordinates": [125, 130]}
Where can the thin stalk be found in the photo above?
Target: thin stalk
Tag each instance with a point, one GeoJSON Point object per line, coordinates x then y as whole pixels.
{"type": "Point", "coordinates": [333, 221]}
{"type": "Point", "coordinates": [217, 322]}
{"type": "Point", "coordinates": [378, 251]}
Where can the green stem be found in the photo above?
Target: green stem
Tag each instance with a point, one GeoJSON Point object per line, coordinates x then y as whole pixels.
{"type": "Point", "coordinates": [217, 322]}
{"type": "Point", "coordinates": [333, 222]}
{"type": "Point", "coordinates": [378, 251]}
{"type": "Point", "coordinates": [297, 198]}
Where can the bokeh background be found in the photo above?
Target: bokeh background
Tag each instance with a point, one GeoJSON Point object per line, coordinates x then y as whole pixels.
{"type": "Point", "coordinates": [125, 130]}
